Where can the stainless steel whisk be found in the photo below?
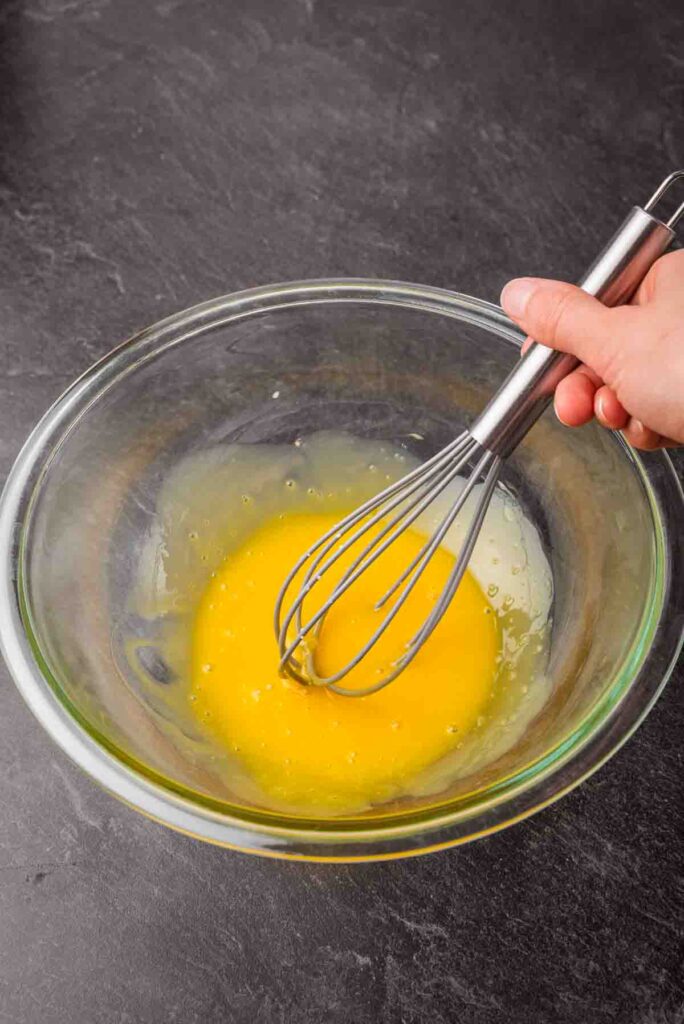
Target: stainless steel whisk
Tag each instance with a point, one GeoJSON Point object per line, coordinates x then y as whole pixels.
{"type": "Point", "coordinates": [613, 278]}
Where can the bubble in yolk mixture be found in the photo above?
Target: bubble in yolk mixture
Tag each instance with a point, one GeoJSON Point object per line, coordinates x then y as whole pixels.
{"type": "Point", "coordinates": [310, 750]}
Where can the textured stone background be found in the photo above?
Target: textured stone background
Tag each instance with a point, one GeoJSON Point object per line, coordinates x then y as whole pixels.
{"type": "Point", "coordinates": [155, 154]}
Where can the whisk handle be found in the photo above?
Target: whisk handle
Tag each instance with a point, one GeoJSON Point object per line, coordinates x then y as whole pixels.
{"type": "Point", "coordinates": [613, 278]}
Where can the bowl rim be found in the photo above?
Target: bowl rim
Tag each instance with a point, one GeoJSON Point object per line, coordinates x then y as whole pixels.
{"type": "Point", "coordinates": [258, 833]}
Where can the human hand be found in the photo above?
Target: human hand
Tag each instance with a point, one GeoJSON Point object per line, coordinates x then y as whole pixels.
{"type": "Point", "coordinates": [632, 373]}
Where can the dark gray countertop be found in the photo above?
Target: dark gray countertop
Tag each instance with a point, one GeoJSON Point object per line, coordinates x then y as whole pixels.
{"type": "Point", "coordinates": [156, 154]}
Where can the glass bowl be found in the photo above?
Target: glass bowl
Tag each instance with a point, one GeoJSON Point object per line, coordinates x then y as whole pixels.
{"type": "Point", "coordinates": [381, 360]}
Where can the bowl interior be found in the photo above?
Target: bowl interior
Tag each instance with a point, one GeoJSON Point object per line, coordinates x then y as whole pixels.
{"type": "Point", "coordinates": [379, 365]}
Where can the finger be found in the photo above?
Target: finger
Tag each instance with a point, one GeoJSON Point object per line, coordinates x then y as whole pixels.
{"type": "Point", "coordinates": [566, 318]}
{"type": "Point", "coordinates": [663, 281]}
{"type": "Point", "coordinates": [668, 442]}
{"type": "Point", "coordinates": [641, 436]}
{"type": "Point", "coordinates": [588, 372]}
{"type": "Point", "coordinates": [608, 409]}
{"type": "Point", "coordinates": [574, 398]}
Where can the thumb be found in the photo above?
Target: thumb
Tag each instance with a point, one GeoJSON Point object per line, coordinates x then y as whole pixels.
{"type": "Point", "coordinates": [563, 317]}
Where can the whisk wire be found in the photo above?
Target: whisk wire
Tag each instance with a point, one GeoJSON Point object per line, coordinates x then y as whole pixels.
{"type": "Point", "coordinates": [416, 643]}
{"type": "Point", "coordinates": [435, 468]}
{"type": "Point", "coordinates": [423, 487]}
{"type": "Point", "coordinates": [406, 516]}
{"type": "Point", "coordinates": [331, 536]}
{"type": "Point", "coordinates": [362, 561]}
{"type": "Point", "coordinates": [447, 521]}
{"type": "Point", "coordinates": [461, 565]}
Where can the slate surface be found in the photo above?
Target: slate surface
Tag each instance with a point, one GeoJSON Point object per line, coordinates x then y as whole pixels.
{"type": "Point", "coordinates": [153, 155]}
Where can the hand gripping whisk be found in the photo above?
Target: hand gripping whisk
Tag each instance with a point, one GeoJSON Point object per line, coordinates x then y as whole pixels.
{"type": "Point", "coordinates": [613, 278]}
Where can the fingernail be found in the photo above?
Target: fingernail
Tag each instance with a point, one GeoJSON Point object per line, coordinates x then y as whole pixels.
{"type": "Point", "coordinates": [516, 294]}
{"type": "Point", "coordinates": [559, 417]}
{"type": "Point", "coordinates": [600, 407]}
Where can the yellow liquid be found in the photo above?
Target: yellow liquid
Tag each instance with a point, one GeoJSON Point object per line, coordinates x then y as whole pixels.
{"type": "Point", "coordinates": [313, 751]}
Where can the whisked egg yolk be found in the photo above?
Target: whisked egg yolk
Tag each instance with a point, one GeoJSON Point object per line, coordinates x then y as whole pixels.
{"type": "Point", "coordinates": [309, 750]}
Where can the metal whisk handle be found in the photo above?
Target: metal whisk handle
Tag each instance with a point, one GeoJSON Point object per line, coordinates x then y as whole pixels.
{"type": "Point", "coordinates": [613, 278]}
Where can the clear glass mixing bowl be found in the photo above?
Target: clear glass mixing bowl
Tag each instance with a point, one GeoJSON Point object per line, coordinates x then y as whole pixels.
{"type": "Point", "coordinates": [380, 360]}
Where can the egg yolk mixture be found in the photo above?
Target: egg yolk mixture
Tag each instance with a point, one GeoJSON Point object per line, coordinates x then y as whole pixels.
{"type": "Point", "coordinates": [306, 748]}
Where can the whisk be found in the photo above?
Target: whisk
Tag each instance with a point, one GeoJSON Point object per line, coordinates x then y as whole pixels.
{"type": "Point", "coordinates": [613, 278]}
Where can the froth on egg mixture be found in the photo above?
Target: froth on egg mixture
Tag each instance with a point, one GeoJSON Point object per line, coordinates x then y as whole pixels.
{"type": "Point", "coordinates": [232, 521]}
